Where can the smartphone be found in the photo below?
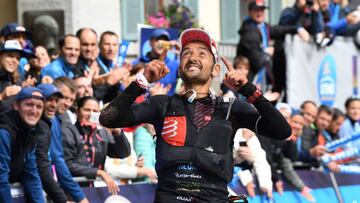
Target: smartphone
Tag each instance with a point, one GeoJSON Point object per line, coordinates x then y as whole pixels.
{"type": "Point", "coordinates": [162, 44]}
{"type": "Point", "coordinates": [242, 144]}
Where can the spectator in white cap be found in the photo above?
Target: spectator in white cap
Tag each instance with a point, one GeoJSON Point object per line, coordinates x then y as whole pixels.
{"type": "Point", "coordinates": [14, 31]}
{"type": "Point", "coordinates": [195, 131]}
{"type": "Point", "coordinates": [10, 81]}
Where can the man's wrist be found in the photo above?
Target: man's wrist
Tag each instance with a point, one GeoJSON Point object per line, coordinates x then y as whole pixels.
{"type": "Point", "coordinates": [251, 92]}
{"type": "Point", "coordinates": [142, 81]}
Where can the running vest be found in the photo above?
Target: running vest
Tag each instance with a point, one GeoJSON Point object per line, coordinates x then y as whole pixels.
{"type": "Point", "coordinates": [208, 148]}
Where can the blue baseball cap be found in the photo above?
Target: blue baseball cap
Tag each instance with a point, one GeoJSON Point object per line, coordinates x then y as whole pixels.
{"type": "Point", "coordinates": [12, 45]}
{"type": "Point", "coordinates": [49, 90]}
{"type": "Point", "coordinates": [157, 33]}
{"type": "Point", "coordinates": [13, 28]}
{"type": "Point", "coordinates": [27, 93]}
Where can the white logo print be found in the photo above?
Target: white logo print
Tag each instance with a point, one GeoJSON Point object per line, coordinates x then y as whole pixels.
{"type": "Point", "coordinates": [169, 129]}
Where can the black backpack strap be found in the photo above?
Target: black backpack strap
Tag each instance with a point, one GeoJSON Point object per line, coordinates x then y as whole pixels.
{"type": "Point", "coordinates": [230, 101]}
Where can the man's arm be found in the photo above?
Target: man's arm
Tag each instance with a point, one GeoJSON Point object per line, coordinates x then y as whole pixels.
{"type": "Point", "coordinates": [30, 178]}
{"type": "Point", "coordinates": [51, 187]}
{"type": "Point", "coordinates": [264, 120]}
{"type": "Point", "coordinates": [279, 32]}
{"type": "Point", "coordinates": [121, 112]}
{"type": "Point", "coordinates": [62, 171]}
{"type": "Point", "coordinates": [5, 157]}
{"type": "Point", "coordinates": [267, 121]}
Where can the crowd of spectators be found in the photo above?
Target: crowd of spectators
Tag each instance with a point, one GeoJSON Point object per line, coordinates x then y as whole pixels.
{"type": "Point", "coordinates": [50, 108]}
{"type": "Point", "coordinates": [317, 21]}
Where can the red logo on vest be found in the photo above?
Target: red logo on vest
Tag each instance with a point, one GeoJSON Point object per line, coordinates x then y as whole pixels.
{"type": "Point", "coordinates": [174, 130]}
{"type": "Point", "coordinates": [207, 118]}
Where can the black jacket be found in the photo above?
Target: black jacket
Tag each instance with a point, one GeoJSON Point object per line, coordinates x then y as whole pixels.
{"type": "Point", "coordinates": [104, 144]}
{"type": "Point", "coordinates": [18, 158]}
{"type": "Point", "coordinates": [23, 141]}
{"type": "Point", "coordinates": [250, 44]}
{"type": "Point", "coordinates": [43, 138]}
{"type": "Point", "coordinates": [5, 81]}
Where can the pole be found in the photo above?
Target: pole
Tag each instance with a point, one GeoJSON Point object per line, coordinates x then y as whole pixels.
{"type": "Point", "coordinates": [336, 187]}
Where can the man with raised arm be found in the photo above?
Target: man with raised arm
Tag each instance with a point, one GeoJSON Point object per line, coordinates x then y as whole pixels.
{"type": "Point", "coordinates": [195, 131]}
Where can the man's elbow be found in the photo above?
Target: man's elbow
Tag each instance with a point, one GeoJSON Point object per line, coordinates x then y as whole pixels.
{"type": "Point", "coordinates": [104, 121]}
{"type": "Point", "coordinates": [284, 133]}
{"type": "Point", "coordinates": [280, 132]}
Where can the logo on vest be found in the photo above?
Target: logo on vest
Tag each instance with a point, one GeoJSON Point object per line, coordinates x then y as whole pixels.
{"type": "Point", "coordinates": [174, 130]}
{"type": "Point", "coordinates": [169, 129]}
{"type": "Point", "coordinates": [185, 199]}
{"type": "Point", "coordinates": [207, 118]}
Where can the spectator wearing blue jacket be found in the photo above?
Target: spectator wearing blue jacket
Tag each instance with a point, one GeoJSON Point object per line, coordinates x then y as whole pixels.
{"type": "Point", "coordinates": [67, 63]}
{"type": "Point", "coordinates": [109, 74]}
{"type": "Point", "coordinates": [17, 146]}
{"type": "Point", "coordinates": [48, 137]}
{"type": "Point", "coordinates": [144, 144]}
{"type": "Point", "coordinates": [337, 17]}
{"type": "Point", "coordinates": [304, 14]}
{"type": "Point", "coordinates": [154, 53]}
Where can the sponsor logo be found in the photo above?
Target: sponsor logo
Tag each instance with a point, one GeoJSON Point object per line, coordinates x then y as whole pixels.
{"type": "Point", "coordinates": [174, 130]}
{"type": "Point", "coordinates": [207, 118]}
{"type": "Point", "coordinates": [327, 81]}
{"type": "Point", "coordinates": [169, 129]}
{"type": "Point", "coordinates": [185, 199]}
{"type": "Point", "coordinates": [187, 167]}
{"type": "Point", "coordinates": [194, 176]}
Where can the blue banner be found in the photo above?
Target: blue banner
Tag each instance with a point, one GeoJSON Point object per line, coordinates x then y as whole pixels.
{"type": "Point", "coordinates": [123, 47]}
{"type": "Point", "coordinates": [319, 182]}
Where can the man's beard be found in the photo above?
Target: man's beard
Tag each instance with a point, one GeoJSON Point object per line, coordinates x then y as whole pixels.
{"type": "Point", "coordinates": [199, 79]}
{"type": "Point", "coordinates": [194, 80]}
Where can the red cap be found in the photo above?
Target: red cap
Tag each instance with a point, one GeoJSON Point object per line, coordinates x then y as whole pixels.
{"type": "Point", "coordinates": [257, 4]}
{"type": "Point", "coordinates": [195, 34]}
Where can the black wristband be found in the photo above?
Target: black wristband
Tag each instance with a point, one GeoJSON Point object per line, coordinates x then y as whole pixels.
{"type": "Point", "coordinates": [251, 92]}
{"type": "Point", "coordinates": [248, 89]}
{"type": "Point", "coordinates": [135, 89]}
